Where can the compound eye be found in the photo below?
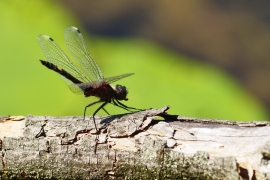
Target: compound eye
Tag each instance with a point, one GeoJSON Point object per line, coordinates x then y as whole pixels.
{"type": "Point", "coordinates": [121, 92]}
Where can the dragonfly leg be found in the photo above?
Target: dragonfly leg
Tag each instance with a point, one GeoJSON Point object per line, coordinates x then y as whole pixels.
{"type": "Point", "coordinates": [89, 106]}
{"type": "Point", "coordinates": [105, 111]}
{"type": "Point", "coordinates": [101, 107]}
{"type": "Point", "coordinates": [114, 103]}
{"type": "Point", "coordinates": [123, 105]}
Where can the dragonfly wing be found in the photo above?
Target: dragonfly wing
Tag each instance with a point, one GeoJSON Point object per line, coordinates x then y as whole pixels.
{"type": "Point", "coordinates": [77, 47]}
{"type": "Point", "coordinates": [73, 87]}
{"type": "Point", "coordinates": [56, 56]}
{"type": "Point", "coordinates": [116, 78]}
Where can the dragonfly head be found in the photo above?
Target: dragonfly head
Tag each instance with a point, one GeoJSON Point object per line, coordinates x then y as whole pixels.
{"type": "Point", "coordinates": [121, 92]}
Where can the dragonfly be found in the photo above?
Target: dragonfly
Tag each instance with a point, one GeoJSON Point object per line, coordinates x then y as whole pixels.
{"type": "Point", "coordinates": [91, 83]}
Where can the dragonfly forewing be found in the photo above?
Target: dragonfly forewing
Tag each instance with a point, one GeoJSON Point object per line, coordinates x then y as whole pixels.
{"type": "Point", "coordinates": [77, 47]}
{"type": "Point", "coordinates": [55, 55]}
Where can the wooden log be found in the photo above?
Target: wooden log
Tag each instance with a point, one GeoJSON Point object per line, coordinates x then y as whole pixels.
{"type": "Point", "coordinates": [150, 144]}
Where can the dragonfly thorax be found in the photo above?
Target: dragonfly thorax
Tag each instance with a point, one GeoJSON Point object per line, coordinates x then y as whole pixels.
{"type": "Point", "coordinates": [121, 92]}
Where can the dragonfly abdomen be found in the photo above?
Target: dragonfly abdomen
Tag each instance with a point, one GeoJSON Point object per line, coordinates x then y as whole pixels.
{"type": "Point", "coordinates": [60, 71]}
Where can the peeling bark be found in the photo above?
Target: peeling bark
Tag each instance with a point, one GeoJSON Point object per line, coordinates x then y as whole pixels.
{"type": "Point", "coordinates": [149, 144]}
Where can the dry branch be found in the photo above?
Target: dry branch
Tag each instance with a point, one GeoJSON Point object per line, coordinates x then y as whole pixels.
{"type": "Point", "coordinates": [133, 146]}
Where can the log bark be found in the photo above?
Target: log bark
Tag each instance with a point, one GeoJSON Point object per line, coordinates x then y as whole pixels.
{"type": "Point", "coordinates": [150, 144]}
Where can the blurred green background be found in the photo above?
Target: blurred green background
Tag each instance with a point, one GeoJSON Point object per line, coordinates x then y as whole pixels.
{"type": "Point", "coordinates": [163, 76]}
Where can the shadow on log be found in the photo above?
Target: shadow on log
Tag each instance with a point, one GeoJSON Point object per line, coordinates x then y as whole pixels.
{"type": "Point", "coordinates": [150, 144]}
